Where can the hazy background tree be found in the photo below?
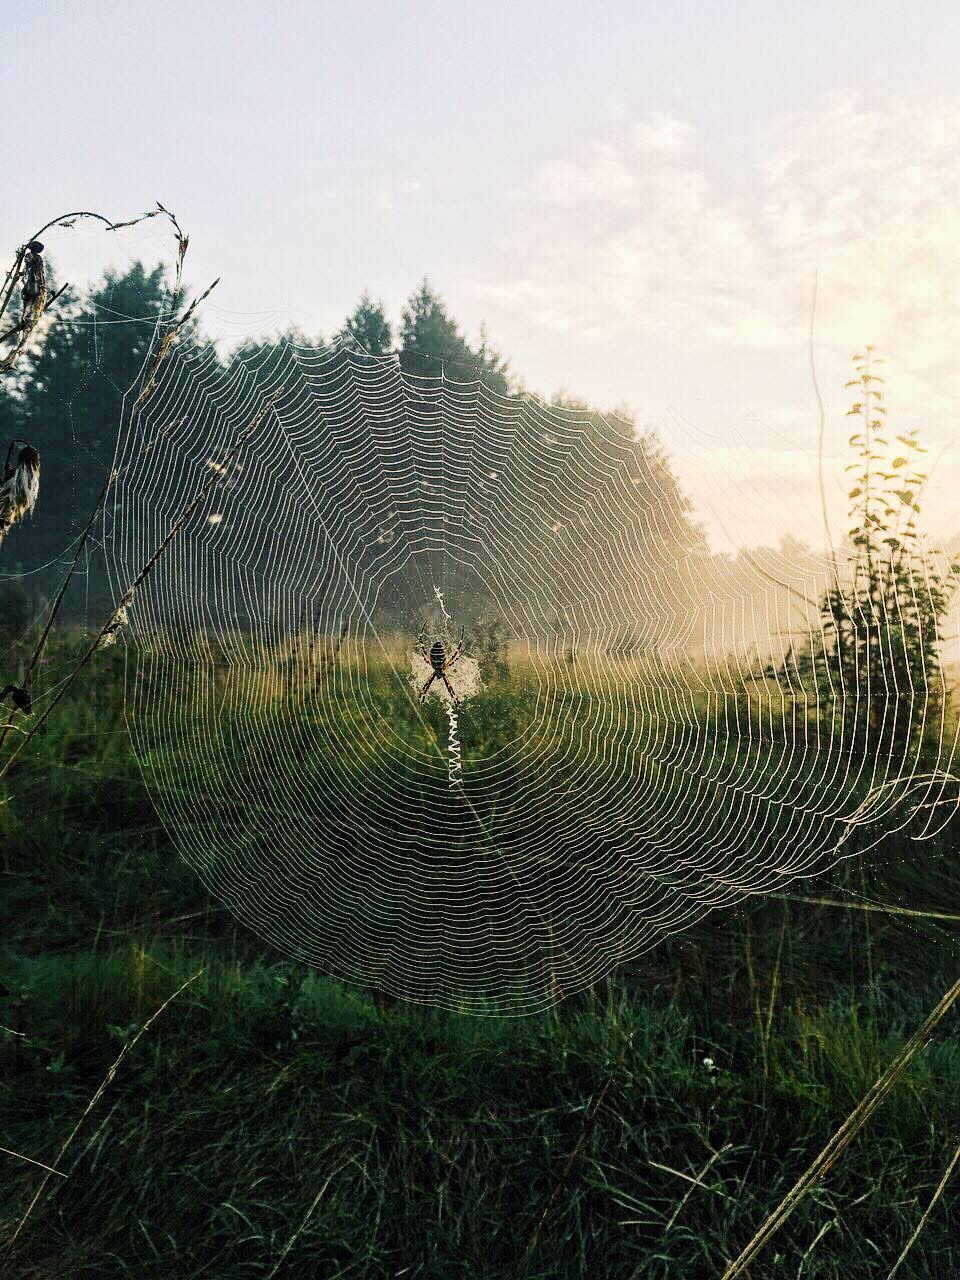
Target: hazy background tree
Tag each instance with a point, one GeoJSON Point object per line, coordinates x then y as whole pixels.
{"type": "Point", "coordinates": [65, 398]}
{"type": "Point", "coordinates": [430, 340]}
{"type": "Point", "coordinates": [67, 395]}
{"type": "Point", "coordinates": [368, 328]}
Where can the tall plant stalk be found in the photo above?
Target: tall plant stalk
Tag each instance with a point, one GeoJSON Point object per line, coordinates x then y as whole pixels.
{"type": "Point", "coordinates": [165, 338]}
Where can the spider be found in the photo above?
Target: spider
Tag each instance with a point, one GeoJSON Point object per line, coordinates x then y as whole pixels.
{"type": "Point", "coordinates": [436, 657]}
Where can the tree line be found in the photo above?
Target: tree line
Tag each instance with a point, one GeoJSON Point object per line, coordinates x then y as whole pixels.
{"type": "Point", "coordinates": [66, 394]}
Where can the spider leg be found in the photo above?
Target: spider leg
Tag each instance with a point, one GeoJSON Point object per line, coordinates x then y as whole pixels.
{"type": "Point", "coordinates": [423, 691]}
{"type": "Point", "coordinates": [456, 655]}
{"type": "Point", "coordinates": [450, 689]}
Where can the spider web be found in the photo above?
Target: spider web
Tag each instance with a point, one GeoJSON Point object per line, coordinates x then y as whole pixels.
{"type": "Point", "coordinates": [625, 764]}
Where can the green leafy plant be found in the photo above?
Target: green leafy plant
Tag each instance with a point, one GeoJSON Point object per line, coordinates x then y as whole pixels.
{"type": "Point", "coordinates": [880, 646]}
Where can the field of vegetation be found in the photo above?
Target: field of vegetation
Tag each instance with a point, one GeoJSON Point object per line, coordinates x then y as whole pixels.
{"type": "Point", "coordinates": [273, 1122]}
{"type": "Point", "coordinates": [178, 1100]}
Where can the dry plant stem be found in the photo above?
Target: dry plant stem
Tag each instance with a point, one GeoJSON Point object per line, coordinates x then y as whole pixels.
{"type": "Point", "coordinates": [10, 279]}
{"type": "Point", "coordinates": [30, 325]}
{"type": "Point", "coordinates": [93, 1102]}
{"type": "Point", "coordinates": [163, 349]}
{"type": "Point", "coordinates": [26, 325]}
{"type": "Point", "coordinates": [54, 609]}
{"type": "Point", "coordinates": [131, 591]}
{"type": "Point", "coordinates": [820, 438]}
{"type": "Point", "coordinates": [844, 1135]}
{"type": "Point", "coordinates": [65, 220]}
{"type": "Point", "coordinates": [29, 1159]}
{"type": "Point", "coordinates": [940, 1188]}
{"type": "Point", "coordinates": [869, 906]}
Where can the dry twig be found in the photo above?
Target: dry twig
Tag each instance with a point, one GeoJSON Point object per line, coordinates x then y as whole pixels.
{"type": "Point", "coordinates": [149, 384]}
{"type": "Point", "coordinates": [28, 272]}
{"type": "Point", "coordinates": [118, 617]}
{"type": "Point", "coordinates": [844, 1135]}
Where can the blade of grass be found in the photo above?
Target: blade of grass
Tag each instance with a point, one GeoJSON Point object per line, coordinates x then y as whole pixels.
{"type": "Point", "coordinates": [131, 1043]}
{"type": "Point", "coordinates": [588, 1123]}
{"type": "Point", "coordinates": [697, 1181]}
{"type": "Point", "coordinates": [940, 1188]}
{"type": "Point", "coordinates": [303, 1222]}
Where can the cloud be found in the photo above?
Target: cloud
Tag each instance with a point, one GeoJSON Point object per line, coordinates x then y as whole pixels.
{"type": "Point", "coordinates": [390, 196]}
{"type": "Point", "coordinates": [633, 235]}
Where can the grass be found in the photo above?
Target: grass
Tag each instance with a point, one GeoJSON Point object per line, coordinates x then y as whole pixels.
{"type": "Point", "coordinates": [444, 1135]}
{"type": "Point", "coordinates": [273, 1122]}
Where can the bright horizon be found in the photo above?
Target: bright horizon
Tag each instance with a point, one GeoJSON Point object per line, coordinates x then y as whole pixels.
{"type": "Point", "coordinates": [637, 204]}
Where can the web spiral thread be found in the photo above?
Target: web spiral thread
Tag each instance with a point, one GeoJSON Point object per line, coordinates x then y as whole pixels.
{"type": "Point", "coordinates": [637, 745]}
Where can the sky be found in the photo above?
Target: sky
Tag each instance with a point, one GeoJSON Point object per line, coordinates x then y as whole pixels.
{"type": "Point", "coordinates": [640, 200]}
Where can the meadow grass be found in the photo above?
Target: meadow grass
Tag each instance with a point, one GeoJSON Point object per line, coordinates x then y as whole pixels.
{"type": "Point", "coordinates": [274, 1122]}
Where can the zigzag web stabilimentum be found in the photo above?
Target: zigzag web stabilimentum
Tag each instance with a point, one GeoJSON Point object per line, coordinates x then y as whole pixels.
{"type": "Point", "coordinates": [637, 742]}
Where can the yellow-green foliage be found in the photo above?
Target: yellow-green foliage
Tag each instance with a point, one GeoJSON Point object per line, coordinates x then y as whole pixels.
{"type": "Point", "coordinates": [436, 1140]}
